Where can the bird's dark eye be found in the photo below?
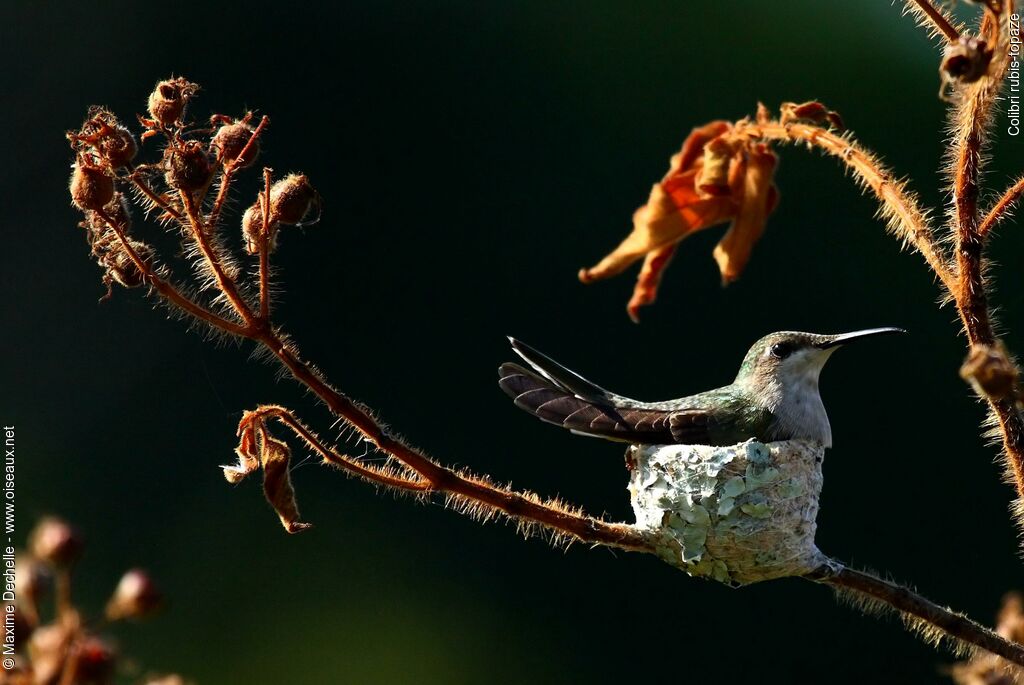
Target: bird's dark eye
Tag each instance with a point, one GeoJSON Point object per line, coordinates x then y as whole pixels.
{"type": "Point", "coordinates": [781, 350]}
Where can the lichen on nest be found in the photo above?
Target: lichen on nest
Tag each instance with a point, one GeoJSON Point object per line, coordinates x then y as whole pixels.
{"type": "Point", "coordinates": [737, 514]}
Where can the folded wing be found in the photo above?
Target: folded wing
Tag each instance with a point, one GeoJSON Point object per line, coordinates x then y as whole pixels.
{"type": "Point", "coordinates": [557, 395]}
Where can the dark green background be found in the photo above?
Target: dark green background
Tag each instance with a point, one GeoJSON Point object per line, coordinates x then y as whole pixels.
{"type": "Point", "coordinates": [472, 156]}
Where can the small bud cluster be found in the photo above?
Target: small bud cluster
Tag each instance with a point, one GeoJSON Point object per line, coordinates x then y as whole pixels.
{"type": "Point", "coordinates": [186, 187]}
{"type": "Point", "coordinates": [291, 200]}
{"type": "Point", "coordinates": [65, 649]}
{"type": "Point", "coordinates": [990, 371]}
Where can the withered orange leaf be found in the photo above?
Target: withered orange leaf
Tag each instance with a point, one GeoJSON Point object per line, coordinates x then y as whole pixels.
{"type": "Point", "coordinates": [718, 175]}
{"type": "Point", "coordinates": [277, 483]}
{"type": "Point", "coordinates": [757, 200]}
{"type": "Point", "coordinates": [256, 448]}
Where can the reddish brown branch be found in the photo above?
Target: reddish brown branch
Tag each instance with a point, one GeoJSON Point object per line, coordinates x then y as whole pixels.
{"type": "Point", "coordinates": [155, 198]}
{"type": "Point", "coordinates": [919, 610]}
{"type": "Point", "coordinates": [972, 119]}
{"type": "Point", "coordinates": [165, 289]}
{"type": "Point", "coordinates": [224, 283]}
{"type": "Point", "coordinates": [229, 171]}
{"type": "Point", "coordinates": [441, 479]}
{"type": "Point", "coordinates": [899, 205]}
{"type": "Point", "coordinates": [938, 20]}
{"type": "Point", "coordinates": [1001, 209]}
{"type": "Point", "coordinates": [332, 457]}
{"type": "Point", "coordinates": [264, 247]}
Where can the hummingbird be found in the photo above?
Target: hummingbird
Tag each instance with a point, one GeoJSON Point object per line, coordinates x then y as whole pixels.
{"type": "Point", "coordinates": [774, 397]}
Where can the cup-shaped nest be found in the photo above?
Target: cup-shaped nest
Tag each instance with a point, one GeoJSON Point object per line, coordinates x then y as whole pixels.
{"type": "Point", "coordinates": [738, 514]}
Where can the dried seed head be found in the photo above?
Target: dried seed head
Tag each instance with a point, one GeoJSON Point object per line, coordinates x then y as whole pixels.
{"type": "Point", "coordinates": [119, 211]}
{"type": "Point", "coordinates": [966, 60]}
{"type": "Point", "coordinates": [102, 131]}
{"type": "Point", "coordinates": [188, 167]}
{"type": "Point", "coordinates": [91, 187]}
{"type": "Point", "coordinates": [118, 147]}
{"type": "Point", "coordinates": [252, 227]}
{"type": "Point", "coordinates": [121, 268]}
{"type": "Point", "coordinates": [136, 596]}
{"type": "Point", "coordinates": [231, 139]}
{"type": "Point", "coordinates": [990, 371]}
{"type": "Point", "coordinates": [291, 199]}
{"type": "Point", "coordinates": [55, 542]}
{"type": "Point", "coordinates": [168, 100]}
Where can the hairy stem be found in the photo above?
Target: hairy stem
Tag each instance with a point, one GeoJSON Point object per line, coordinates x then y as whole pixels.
{"type": "Point", "coordinates": [155, 197]}
{"type": "Point", "coordinates": [919, 609]}
{"type": "Point", "coordinates": [972, 119]}
{"type": "Point", "coordinates": [165, 289]}
{"type": "Point", "coordinates": [938, 20]}
{"type": "Point", "coordinates": [1002, 208]}
{"type": "Point", "coordinates": [899, 205]}
{"type": "Point", "coordinates": [264, 248]}
{"type": "Point", "coordinates": [229, 172]}
{"type": "Point", "coordinates": [332, 457]}
{"type": "Point", "coordinates": [442, 479]}
{"type": "Point", "coordinates": [224, 283]}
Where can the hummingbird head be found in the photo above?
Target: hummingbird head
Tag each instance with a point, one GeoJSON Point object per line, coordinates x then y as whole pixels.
{"type": "Point", "coordinates": [792, 359]}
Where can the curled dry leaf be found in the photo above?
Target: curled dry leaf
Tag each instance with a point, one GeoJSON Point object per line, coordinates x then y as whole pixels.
{"type": "Point", "coordinates": [256, 447]}
{"type": "Point", "coordinates": [715, 177]}
{"type": "Point", "coordinates": [277, 483]}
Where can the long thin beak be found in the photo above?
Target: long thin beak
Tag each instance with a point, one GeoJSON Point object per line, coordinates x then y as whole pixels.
{"type": "Point", "coordinates": [843, 338]}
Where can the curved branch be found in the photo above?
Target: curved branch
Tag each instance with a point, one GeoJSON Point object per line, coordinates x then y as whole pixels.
{"type": "Point", "coordinates": [1001, 209]}
{"type": "Point", "coordinates": [469, 490]}
{"type": "Point", "coordinates": [371, 473]}
{"type": "Point", "coordinates": [929, 12]}
{"type": "Point", "coordinates": [920, 613]}
{"type": "Point", "coordinates": [166, 289]}
{"type": "Point", "coordinates": [971, 121]}
{"type": "Point", "coordinates": [899, 205]}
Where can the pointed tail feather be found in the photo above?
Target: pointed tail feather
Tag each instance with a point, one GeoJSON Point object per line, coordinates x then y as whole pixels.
{"type": "Point", "coordinates": [559, 375]}
{"type": "Point", "coordinates": [556, 403]}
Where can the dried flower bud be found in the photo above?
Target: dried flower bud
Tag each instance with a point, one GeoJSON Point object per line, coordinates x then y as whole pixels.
{"type": "Point", "coordinates": [990, 371]}
{"type": "Point", "coordinates": [966, 60]}
{"type": "Point", "coordinates": [252, 227]}
{"type": "Point", "coordinates": [168, 100]}
{"type": "Point", "coordinates": [188, 167]}
{"type": "Point", "coordinates": [114, 143]}
{"type": "Point", "coordinates": [121, 268]}
{"type": "Point", "coordinates": [136, 596]}
{"type": "Point", "coordinates": [118, 147]}
{"type": "Point", "coordinates": [231, 139]}
{"type": "Point", "coordinates": [55, 542]}
{"type": "Point", "coordinates": [91, 187]}
{"type": "Point", "coordinates": [94, 661]}
{"type": "Point", "coordinates": [291, 199]}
